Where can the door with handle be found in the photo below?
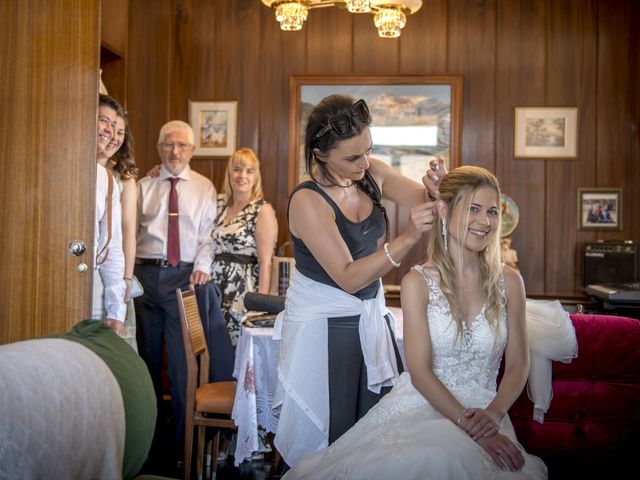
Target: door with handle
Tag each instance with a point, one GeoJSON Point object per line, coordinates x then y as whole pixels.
{"type": "Point", "coordinates": [49, 59]}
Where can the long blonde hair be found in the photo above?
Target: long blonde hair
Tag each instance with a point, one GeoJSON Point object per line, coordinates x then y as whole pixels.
{"type": "Point", "coordinates": [456, 191]}
{"type": "Point", "coordinates": [243, 157]}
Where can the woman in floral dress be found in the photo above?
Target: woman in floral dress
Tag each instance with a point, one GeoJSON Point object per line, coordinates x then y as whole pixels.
{"type": "Point", "coordinates": [245, 234]}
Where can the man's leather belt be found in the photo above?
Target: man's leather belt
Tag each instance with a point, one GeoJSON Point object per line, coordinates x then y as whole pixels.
{"type": "Point", "coordinates": [160, 262]}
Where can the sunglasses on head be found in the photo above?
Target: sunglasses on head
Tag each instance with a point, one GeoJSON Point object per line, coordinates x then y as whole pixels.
{"type": "Point", "coordinates": [342, 123]}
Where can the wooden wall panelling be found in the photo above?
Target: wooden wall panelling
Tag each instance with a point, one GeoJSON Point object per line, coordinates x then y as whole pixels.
{"type": "Point", "coordinates": [329, 35]}
{"type": "Point", "coordinates": [282, 54]}
{"type": "Point", "coordinates": [520, 63]}
{"type": "Point", "coordinates": [614, 108]}
{"type": "Point", "coordinates": [114, 24]}
{"type": "Point", "coordinates": [48, 89]}
{"type": "Point", "coordinates": [632, 220]}
{"type": "Point", "coordinates": [150, 31]}
{"type": "Point", "coordinates": [114, 44]}
{"type": "Point", "coordinates": [423, 50]}
{"type": "Point", "coordinates": [472, 47]}
{"type": "Point", "coordinates": [237, 70]}
{"type": "Point", "coordinates": [373, 55]}
{"type": "Point", "coordinates": [571, 81]}
{"type": "Point", "coordinates": [192, 63]}
{"type": "Point", "coordinates": [423, 43]}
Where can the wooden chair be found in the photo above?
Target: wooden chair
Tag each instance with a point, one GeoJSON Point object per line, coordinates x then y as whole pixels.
{"type": "Point", "coordinates": [213, 399]}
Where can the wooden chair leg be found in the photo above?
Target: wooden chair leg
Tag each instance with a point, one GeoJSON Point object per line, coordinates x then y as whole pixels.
{"type": "Point", "coordinates": [207, 463]}
{"type": "Point", "coordinates": [214, 454]}
{"type": "Point", "coordinates": [188, 445]}
{"type": "Point", "coordinates": [200, 450]}
{"type": "Point", "coordinates": [277, 458]}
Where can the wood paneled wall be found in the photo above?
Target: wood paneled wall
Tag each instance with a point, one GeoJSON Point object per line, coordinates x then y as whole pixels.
{"type": "Point", "coordinates": [510, 53]}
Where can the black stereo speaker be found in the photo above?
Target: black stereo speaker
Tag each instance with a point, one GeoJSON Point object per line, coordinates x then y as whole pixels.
{"type": "Point", "coordinates": [610, 262]}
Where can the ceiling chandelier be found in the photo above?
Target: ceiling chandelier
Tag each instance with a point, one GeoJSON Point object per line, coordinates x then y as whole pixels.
{"type": "Point", "coordinates": [389, 16]}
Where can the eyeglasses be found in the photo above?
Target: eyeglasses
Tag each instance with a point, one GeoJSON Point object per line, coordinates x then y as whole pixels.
{"type": "Point", "coordinates": [168, 147]}
{"type": "Point", "coordinates": [342, 123]}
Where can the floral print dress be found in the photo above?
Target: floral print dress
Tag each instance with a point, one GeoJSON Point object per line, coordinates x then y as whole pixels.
{"type": "Point", "coordinates": [235, 264]}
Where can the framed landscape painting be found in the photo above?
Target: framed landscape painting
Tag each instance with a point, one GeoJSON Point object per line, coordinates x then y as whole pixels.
{"type": "Point", "coordinates": [546, 132]}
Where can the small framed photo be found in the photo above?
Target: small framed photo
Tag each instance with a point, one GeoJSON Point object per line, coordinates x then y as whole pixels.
{"type": "Point", "coordinates": [546, 132]}
{"type": "Point", "coordinates": [600, 209]}
{"type": "Point", "coordinates": [215, 126]}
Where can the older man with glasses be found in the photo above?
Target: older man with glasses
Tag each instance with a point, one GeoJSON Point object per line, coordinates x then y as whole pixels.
{"type": "Point", "coordinates": [176, 212]}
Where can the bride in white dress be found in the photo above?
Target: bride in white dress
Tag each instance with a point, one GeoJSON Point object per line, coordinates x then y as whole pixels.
{"type": "Point", "coordinates": [445, 419]}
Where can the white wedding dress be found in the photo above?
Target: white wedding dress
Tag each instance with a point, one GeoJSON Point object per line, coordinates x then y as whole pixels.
{"type": "Point", "coordinates": [404, 437]}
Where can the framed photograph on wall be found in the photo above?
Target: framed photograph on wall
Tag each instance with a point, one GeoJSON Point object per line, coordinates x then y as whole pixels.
{"type": "Point", "coordinates": [415, 117]}
{"type": "Point", "coordinates": [600, 209]}
{"type": "Point", "coordinates": [215, 126]}
{"type": "Point", "coordinates": [546, 132]}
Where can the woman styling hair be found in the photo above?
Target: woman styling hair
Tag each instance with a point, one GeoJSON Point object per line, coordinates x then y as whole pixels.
{"type": "Point", "coordinates": [338, 353]}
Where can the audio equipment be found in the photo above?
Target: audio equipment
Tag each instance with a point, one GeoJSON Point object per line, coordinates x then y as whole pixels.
{"type": "Point", "coordinates": [610, 262]}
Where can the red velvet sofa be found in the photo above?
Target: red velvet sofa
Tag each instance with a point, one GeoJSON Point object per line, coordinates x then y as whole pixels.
{"type": "Point", "coordinates": [592, 428]}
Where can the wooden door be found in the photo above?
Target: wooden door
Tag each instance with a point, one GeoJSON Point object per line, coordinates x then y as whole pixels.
{"type": "Point", "coordinates": [49, 52]}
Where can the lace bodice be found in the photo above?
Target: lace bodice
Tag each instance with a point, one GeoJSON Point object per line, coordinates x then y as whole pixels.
{"type": "Point", "coordinates": [468, 360]}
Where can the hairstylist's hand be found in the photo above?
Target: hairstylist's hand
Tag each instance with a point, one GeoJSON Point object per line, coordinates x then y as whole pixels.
{"type": "Point", "coordinates": [421, 220]}
{"type": "Point", "coordinates": [155, 171]}
{"type": "Point", "coordinates": [479, 422]}
{"type": "Point", "coordinates": [436, 171]}
{"type": "Point", "coordinates": [503, 452]}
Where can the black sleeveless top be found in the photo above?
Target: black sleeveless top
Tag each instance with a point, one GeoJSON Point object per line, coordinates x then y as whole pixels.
{"type": "Point", "coordinates": [361, 239]}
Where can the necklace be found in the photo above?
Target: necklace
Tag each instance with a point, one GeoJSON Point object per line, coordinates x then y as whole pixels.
{"type": "Point", "coordinates": [344, 186]}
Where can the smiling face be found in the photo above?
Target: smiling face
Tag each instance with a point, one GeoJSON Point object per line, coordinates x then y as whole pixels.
{"type": "Point", "coordinates": [106, 130]}
{"type": "Point", "coordinates": [118, 138]}
{"type": "Point", "coordinates": [176, 151]}
{"type": "Point", "coordinates": [349, 160]}
{"type": "Point", "coordinates": [242, 177]}
{"type": "Point", "coordinates": [474, 228]}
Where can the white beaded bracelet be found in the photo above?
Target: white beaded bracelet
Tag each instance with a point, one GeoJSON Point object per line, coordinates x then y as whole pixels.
{"type": "Point", "coordinates": [386, 252]}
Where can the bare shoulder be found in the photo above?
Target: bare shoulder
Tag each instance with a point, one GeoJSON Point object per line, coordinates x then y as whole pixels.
{"type": "Point", "coordinates": [414, 287]}
{"type": "Point", "coordinates": [512, 278]}
{"type": "Point", "coordinates": [306, 199]}
{"type": "Point", "coordinates": [266, 212]}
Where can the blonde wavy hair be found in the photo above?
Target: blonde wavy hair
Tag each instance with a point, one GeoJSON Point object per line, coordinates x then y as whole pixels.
{"type": "Point", "coordinates": [243, 157]}
{"type": "Point", "coordinates": [456, 191]}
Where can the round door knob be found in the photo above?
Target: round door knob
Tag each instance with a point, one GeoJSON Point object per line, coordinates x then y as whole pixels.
{"type": "Point", "coordinates": [82, 267]}
{"type": "Point", "coordinates": [77, 248]}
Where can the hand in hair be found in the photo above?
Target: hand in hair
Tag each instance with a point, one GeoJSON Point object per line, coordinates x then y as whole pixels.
{"type": "Point", "coordinates": [433, 176]}
{"type": "Point", "coordinates": [421, 220]}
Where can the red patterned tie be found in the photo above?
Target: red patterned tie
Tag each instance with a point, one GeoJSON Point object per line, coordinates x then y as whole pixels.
{"type": "Point", "coordinates": [173, 234]}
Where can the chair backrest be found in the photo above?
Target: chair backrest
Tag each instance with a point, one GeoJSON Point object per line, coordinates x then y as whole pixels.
{"type": "Point", "coordinates": [195, 344]}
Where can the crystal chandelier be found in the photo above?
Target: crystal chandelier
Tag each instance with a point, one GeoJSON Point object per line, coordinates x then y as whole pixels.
{"type": "Point", "coordinates": [390, 16]}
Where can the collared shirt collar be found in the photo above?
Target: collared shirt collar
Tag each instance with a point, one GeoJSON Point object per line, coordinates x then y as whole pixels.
{"type": "Point", "coordinates": [185, 174]}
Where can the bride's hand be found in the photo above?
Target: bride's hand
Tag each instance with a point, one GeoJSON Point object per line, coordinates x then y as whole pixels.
{"type": "Point", "coordinates": [479, 422]}
{"type": "Point", "coordinates": [503, 452]}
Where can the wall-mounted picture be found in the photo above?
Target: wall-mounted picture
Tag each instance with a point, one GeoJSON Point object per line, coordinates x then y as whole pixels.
{"type": "Point", "coordinates": [215, 126]}
{"type": "Point", "coordinates": [600, 209]}
{"type": "Point", "coordinates": [415, 118]}
{"type": "Point", "coordinates": [546, 132]}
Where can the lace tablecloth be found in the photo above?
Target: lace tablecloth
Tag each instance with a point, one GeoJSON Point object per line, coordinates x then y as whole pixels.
{"type": "Point", "coordinates": [256, 372]}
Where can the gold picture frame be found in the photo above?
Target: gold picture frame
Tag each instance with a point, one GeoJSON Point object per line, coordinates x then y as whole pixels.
{"type": "Point", "coordinates": [215, 127]}
{"type": "Point", "coordinates": [546, 132]}
{"type": "Point", "coordinates": [600, 209]}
